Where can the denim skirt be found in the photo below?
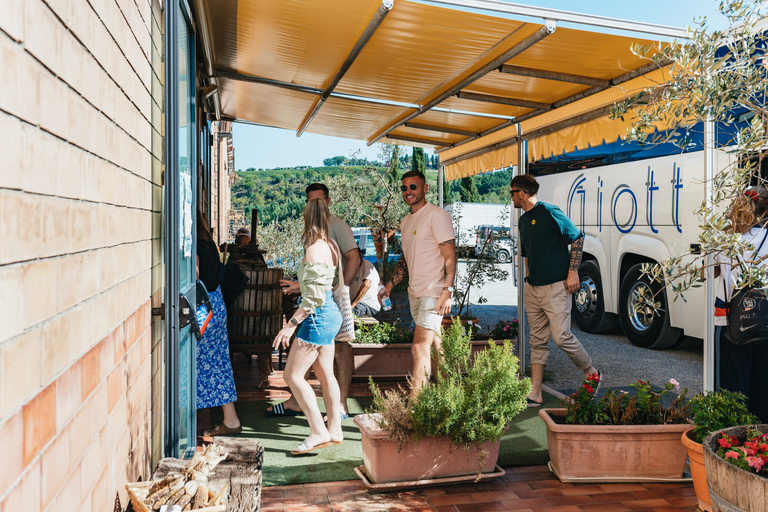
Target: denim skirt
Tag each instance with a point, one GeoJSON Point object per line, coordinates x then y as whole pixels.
{"type": "Point", "coordinates": [321, 327]}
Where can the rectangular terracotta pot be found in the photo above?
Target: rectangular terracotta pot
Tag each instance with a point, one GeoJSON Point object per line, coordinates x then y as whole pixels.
{"type": "Point", "coordinates": [371, 360]}
{"type": "Point", "coordinates": [428, 459]}
{"type": "Point", "coordinates": [614, 452]}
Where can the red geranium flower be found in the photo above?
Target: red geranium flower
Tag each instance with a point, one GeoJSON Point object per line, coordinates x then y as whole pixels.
{"type": "Point", "coordinates": [724, 443]}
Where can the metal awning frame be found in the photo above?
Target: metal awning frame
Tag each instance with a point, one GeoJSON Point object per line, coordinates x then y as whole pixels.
{"type": "Point", "coordinates": [550, 17]}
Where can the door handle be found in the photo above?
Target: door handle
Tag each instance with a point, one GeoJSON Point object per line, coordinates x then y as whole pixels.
{"type": "Point", "coordinates": [187, 315]}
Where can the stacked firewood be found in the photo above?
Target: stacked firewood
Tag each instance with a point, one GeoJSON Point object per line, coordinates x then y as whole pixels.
{"type": "Point", "coordinates": [188, 490]}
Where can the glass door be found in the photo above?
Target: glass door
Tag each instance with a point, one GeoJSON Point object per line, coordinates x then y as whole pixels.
{"type": "Point", "coordinates": [181, 134]}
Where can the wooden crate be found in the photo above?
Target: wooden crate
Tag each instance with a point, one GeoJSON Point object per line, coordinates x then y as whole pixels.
{"type": "Point", "coordinates": [137, 491]}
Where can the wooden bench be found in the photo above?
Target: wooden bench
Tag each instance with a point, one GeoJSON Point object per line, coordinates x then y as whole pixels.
{"type": "Point", "coordinates": [367, 320]}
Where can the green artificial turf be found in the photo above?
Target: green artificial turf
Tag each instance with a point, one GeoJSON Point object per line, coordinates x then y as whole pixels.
{"type": "Point", "coordinates": [524, 444]}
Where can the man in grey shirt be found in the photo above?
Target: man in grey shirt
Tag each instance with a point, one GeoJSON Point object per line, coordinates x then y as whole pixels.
{"type": "Point", "coordinates": [341, 233]}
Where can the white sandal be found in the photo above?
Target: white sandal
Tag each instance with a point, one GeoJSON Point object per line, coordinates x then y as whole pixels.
{"type": "Point", "coordinates": [305, 447]}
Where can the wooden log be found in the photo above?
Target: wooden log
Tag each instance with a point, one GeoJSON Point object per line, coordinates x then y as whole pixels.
{"type": "Point", "coordinates": [240, 472]}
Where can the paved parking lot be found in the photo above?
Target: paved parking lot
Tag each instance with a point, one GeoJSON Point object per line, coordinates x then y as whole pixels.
{"type": "Point", "coordinates": [620, 362]}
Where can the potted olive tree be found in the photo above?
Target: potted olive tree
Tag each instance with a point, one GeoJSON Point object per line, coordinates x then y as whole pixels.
{"type": "Point", "coordinates": [453, 427]}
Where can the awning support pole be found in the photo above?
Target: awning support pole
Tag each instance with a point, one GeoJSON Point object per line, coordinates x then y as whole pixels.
{"type": "Point", "coordinates": [440, 179]}
{"type": "Point", "coordinates": [522, 157]}
{"type": "Point", "coordinates": [378, 18]}
{"type": "Point", "coordinates": [709, 334]}
{"type": "Point", "coordinates": [419, 140]}
{"type": "Point", "coordinates": [440, 129]}
{"type": "Point", "coordinates": [503, 100]}
{"type": "Point", "coordinates": [554, 75]}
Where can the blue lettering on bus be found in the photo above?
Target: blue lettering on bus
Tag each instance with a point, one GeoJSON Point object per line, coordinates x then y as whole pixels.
{"type": "Point", "coordinates": [651, 188]}
{"type": "Point", "coordinates": [676, 186]}
{"type": "Point", "coordinates": [621, 189]}
{"type": "Point", "coordinates": [577, 188]}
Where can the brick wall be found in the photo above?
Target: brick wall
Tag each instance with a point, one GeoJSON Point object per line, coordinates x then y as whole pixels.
{"type": "Point", "coordinates": [80, 256]}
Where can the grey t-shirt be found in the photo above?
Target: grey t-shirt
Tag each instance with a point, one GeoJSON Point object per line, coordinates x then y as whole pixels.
{"type": "Point", "coordinates": [341, 233]}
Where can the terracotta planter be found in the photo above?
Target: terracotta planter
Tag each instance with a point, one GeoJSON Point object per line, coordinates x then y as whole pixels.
{"type": "Point", "coordinates": [614, 453]}
{"type": "Point", "coordinates": [448, 321]}
{"type": "Point", "coordinates": [733, 489]}
{"type": "Point", "coordinates": [698, 473]}
{"type": "Point", "coordinates": [393, 361]}
{"type": "Point", "coordinates": [428, 459]}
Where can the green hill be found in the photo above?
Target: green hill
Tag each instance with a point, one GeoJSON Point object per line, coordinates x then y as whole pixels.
{"type": "Point", "coordinates": [279, 193]}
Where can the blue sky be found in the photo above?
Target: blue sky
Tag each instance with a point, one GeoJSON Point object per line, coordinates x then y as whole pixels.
{"type": "Point", "coordinates": [267, 148]}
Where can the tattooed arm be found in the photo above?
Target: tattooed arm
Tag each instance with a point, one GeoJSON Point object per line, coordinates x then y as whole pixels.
{"type": "Point", "coordinates": [577, 250]}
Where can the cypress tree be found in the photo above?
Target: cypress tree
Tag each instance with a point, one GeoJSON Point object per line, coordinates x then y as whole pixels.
{"type": "Point", "coordinates": [417, 160]}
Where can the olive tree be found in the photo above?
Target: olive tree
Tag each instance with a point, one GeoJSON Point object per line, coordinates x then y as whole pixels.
{"type": "Point", "coordinates": [716, 76]}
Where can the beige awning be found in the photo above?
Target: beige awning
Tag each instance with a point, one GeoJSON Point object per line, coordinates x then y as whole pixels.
{"type": "Point", "coordinates": [417, 74]}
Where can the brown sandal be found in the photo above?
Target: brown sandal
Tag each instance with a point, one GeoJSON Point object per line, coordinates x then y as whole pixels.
{"type": "Point", "coordinates": [222, 430]}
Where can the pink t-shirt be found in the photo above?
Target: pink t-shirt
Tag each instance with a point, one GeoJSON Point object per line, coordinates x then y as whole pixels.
{"type": "Point", "coordinates": [422, 232]}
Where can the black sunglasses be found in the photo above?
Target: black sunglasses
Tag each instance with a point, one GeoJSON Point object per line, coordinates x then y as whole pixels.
{"type": "Point", "coordinates": [413, 186]}
{"type": "Point", "coordinates": [514, 190]}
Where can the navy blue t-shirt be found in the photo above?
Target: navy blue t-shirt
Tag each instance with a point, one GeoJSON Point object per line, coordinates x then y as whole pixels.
{"type": "Point", "coordinates": [545, 233]}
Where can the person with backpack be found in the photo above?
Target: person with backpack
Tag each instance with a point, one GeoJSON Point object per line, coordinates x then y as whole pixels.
{"type": "Point", "coordinates": [742, 313]}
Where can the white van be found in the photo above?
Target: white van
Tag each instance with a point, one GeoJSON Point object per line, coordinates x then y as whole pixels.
{"type": "Point", "coordinates": [634, 212]}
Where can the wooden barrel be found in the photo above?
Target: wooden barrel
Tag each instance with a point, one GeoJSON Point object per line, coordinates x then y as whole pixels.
{"type": "Point", "coordinates": [733, 489]}
{"type": "Point", "coordinates": [400, 314]}
{"type": "Point", "coordinates": [256, 315]}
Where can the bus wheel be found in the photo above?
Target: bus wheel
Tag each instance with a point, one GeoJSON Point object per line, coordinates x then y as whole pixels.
{"type": "Point", "coordinates": [588, 309]}
{"type": "Point", "coordinates": [642, 326]}
{"type": "Point", "coordinates": [502, 256]}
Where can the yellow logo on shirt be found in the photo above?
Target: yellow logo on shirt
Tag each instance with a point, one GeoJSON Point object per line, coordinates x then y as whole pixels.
{"type": "Point", "coordinates": [533, 222]}
{"type": "Point", "coordinates": [414, 232]}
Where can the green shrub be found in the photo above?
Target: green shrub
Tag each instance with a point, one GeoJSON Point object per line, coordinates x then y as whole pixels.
{"type": "Point", "coordinates": [382, 334]}
{"type": "Point", "coordinates": [716, 410]}
{"type": "Point", "coordinates": [470, 402]}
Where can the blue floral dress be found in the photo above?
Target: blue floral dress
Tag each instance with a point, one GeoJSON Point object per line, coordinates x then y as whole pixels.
{"type": "Point", "coordinates": [215, 380]}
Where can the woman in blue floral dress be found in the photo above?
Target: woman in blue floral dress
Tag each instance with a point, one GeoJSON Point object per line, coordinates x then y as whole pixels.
{"type": "Point", "coordinates": [215, 380]}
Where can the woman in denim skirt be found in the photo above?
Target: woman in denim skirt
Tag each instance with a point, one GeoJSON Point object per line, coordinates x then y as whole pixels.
{"type": "Point", "coordinates": [313, 345]}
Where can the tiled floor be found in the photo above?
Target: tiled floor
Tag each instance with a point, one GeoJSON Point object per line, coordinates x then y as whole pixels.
{"type": "Point", "coordinates": [523, 488]}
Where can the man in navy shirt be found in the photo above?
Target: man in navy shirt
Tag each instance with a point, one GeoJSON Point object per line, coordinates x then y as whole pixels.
{"type": "Point", "coordinates": [551, 276]}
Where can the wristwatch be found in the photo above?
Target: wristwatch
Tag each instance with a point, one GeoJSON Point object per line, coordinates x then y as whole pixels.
{"type": "Point", "coordinates": [293, 321]}
{"type": "Point", "coordinates": [449, 288]}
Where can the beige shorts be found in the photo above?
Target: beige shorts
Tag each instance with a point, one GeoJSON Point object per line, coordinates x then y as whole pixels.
{"type": "Point", "coordinates": [423, 312]}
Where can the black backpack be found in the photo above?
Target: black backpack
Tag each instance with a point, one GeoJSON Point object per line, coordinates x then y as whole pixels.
{"type": "Point", "coordinates": [747, 313]}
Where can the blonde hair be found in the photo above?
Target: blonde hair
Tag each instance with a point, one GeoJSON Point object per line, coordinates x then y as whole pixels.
{"type": "Point", "coordinates": [748, 209]}
{"type": "Point", "coordinates": [316, 219]}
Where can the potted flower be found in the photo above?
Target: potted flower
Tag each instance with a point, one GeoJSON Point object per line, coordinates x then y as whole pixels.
{"type": "Point", "coordinates": [710, 412]}
{"type": "Point", "coordinates": [453, 427]}
{"type": "Point", "coordinates": [619, 436]}
{"type": "Point", "coordinates": [736, 461]}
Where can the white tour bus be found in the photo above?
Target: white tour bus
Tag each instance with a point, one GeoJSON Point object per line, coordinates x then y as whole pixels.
{"type": "Point", "coordinates": [635, 205]}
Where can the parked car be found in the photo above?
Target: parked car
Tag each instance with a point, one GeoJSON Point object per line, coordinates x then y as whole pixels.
{"type": "Point", "coordinates": [502, 248]}
{"type": "Point", "coordinates": [364, 241]}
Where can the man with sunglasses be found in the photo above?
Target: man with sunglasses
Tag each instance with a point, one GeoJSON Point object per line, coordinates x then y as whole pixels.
{"type": "Point", "coordinates": [342, 234]}
{"type": "Point", "coordinates": [551, 276]}
{"type": "Point", "coordinates": [429, 260]}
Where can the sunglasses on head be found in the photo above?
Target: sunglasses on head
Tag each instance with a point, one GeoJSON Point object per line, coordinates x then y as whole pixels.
{"type": "Point", "coordinates": [413, 186]}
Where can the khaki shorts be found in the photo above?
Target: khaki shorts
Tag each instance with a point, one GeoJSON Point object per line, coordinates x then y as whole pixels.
{"type": "Point", "coordinates": [423, 312]}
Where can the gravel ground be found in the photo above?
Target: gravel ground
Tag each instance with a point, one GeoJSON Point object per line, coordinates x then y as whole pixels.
{"type": "Point", "coordinates": [620, 362]}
